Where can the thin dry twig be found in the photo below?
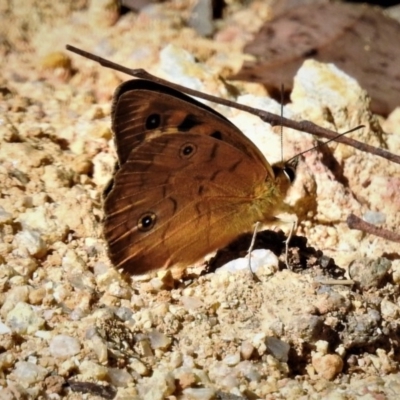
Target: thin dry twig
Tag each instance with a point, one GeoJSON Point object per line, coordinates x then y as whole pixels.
{"type": "Point", "coordinates": [354, 222]}
{"type": "Point", "coordinates": [347, 282]}
{"type": "Point", "coordinates": [272, 119]}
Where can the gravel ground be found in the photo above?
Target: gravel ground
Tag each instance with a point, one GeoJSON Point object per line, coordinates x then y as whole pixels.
{"type": "Point", "coordinates": [73, 327]}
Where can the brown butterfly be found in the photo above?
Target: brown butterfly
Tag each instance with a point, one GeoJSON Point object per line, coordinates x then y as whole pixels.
{"type": "Point", "coordinates": [187, 183]}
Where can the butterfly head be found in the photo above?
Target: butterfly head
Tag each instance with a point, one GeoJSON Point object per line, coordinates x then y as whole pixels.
{"type": "Point", "coordinates": [285, 173]}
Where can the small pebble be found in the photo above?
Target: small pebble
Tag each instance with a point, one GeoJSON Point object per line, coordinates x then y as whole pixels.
{"type": "Point", "coordinates": [144, 348]}
{"type": "Point", "coordinates": [322, 346]}
{"type": "Point", "coordinates": [119, 377]}
{"type": "Point", "coordinates": [246, 350]}
{"type": "Point", "coordinates": [103, 13]}
{"type": "Point", "coordinates": [306, 327]}
{"type": "Point", "coordinates": [259, 259]}
{"type": "Point", "coordinates": [166, 278]}
{"type": "Point", "coordinates": [36, 296]}
{"type": "Point", "coordinates": [7, 359]}
{"type": "Point", "coordinates": [54, 384]}
{"type": "Point", "coordinates": [4, 328]}
{"type": "Point", "coordinates": [27, 373]}
{"type": "Point", "coordinates": [389, 310]}
{"type": "Point", "coordinates": [331, 301]}
{"type": "Point", "coordinates": [124, 313]}
{"type": "Point", "coordinates": [92, 370]}
{"type": "Point", "coordinates": [100, 348]}
{"type": "Point", "coordinates": [64, 346]}
{"type": "Point", "coordinates": [176, 359]}
{"type": "Point", "coordinates": [191, 303]}
{"type": "Point", "coordinates": [396, 271]}
{"type": "Point", "coordinates": [158, 387]}
{"type": "Point", "coordinates": [249, 371]}
{"type": "Point", "coordinates": [278, 348]}
{"type": "Point", "coordinates": [232, 359]}
{"type": "Point", "coordinates": [158, 340]}
{"type": "Point", "coordinates": [199, 394]}
{"type": "Point", "coordinates": [139, 367]}
{"type": "Point", "coordinates": [23, 319]}
{"type": "Point", "coordinates": [368, 272]}
{"type": "Point", "coordinates": [32, 241]}
{"type": "Point", "coordinates": [328, 366]}
{"type": "Point", "coordinates": [186, 377]}
{"type": "Point", "coordinates": [5, 217]}
{"type": "Point", "coordinates": [218, 370]}
{"type": "Point", "coordinates": [15, 295]}
{"type": "Point", "coordinates": [201, 17]}
{"type": "Point", "coordinates": [374, 217]}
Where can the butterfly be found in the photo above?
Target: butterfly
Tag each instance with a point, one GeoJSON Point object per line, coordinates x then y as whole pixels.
{"type": "Point", "coordinates": [187, 181]}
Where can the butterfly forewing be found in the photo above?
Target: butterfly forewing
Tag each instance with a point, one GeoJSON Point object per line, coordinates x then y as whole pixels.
{"type": "Point", "coordinates": [141, 107]}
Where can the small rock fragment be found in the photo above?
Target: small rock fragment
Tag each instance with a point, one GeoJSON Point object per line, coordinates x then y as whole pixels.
{"type": "Point", "coordinates": [166, 278]}
{"type": "Point", "coordinates": [249, 371]}
{"type": "Point", "coordinates": [160, 385]}
{"type": "Point", "coordinates": [103, 13]}
{"type": "Point", "coordinates": [278, 348]}
{"type": "Point", "coordinates": [186, 377]}
{"type": "Point", "coordinates": [64, 346]}
{"type": "Point", "coordinates": [374, 217]}
{"type": "Point", "coordinates": [5, 217]}
{"type": "Point", "coordinates": [322, 347]}
{"type": "Point", "coordinates": [54, 384]}
{"type": "Point", "coordinates": [246, 350]}
{"type": "Point", "coordinates": [260, 258]}
{"type": "Point", "coordinates": [119, 377]}
{"type": "Point", "coordinates": [144, 348]}
{"type": "Point", "coordinates": [327, 366]}
{"type": "Point", "coordinates": [232, 359]}
{"type": "Point", "coordinates": [4, 328]}
{"type": "Point", "coordinates": [191, 303]}
{"type": "Point", "coordinates": [331, 301]}
{"type": "Point", "coordinates": [139, 367]}
{"type": "Point", "coordinates": [369, 273]}
{"type": "Point", "coordinates": [99, 346]}
{"type": "Point", "coordinates": [306, 327]}
{"type": "Point", "coordinates": [27, 373]}
{"type": "Point", "coordinates": [23, 319]}
{"type": "Point", "coordinates": [32, 242]}
{"type": "Point", "coordinates": [362, 330]}
{"type": "Point", "coordinates": [199, 394]}
{"type": "Point", "coordinates": [201, 17]}
{"type": "Point", "coordinates": [158, 340]}
{"type": "Point", "coordinates": [92, 370]}
{"type": "Point", "coordinates": [389, 309]}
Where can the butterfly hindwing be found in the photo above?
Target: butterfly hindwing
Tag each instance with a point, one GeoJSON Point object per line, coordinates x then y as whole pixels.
{"type": "Point", "coordinates": [175, 192]}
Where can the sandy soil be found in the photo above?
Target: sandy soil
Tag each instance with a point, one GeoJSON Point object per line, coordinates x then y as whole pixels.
{"type": "Point", "coordinates": [73, 327]}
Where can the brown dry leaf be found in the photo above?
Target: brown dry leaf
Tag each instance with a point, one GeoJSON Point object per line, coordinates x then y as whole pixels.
{"type": "Point", "coordinates": [358, 39]}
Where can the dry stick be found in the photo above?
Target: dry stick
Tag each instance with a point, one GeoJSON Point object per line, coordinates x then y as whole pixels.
{"type": "Point", "coordinates": [270, 118]}
{"type": "Point", "coordinates": [354, 222]}
{"type": "Point", "coordinates": [335, 281]}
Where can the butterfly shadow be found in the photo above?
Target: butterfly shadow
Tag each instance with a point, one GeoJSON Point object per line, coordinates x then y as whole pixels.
{"type": "Point", "coordinates": [301, 257]}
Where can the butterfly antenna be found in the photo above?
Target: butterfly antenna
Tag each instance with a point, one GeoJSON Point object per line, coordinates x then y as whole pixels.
{"type": "Point", "coordinates": [324, 143]}
{"type": "Point", "coordinates": [282, 88]}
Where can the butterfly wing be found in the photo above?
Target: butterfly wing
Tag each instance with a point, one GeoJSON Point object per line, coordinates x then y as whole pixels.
{"type": "Point", "coordinates": [178, 197]}
{"type": "Point", "coordinates": [143, 108]}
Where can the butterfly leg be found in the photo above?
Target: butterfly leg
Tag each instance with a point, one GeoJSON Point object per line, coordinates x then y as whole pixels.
{"type": "Point", "coordinates": [253, 240]}
{"type": "Point", "coordinates": [287, 241]}
{"type": "Point", "coordinates": [292, 220]}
